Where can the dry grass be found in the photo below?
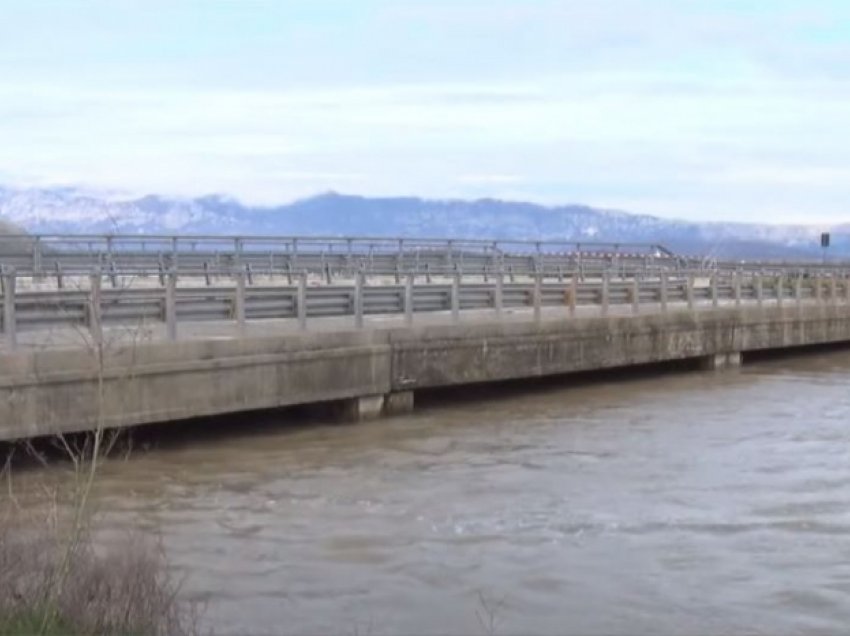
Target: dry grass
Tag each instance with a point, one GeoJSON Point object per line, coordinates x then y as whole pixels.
{"type": "Point", "coordinates": [63, 572]}
{"type": "Point", "coordinates": [53, 580]}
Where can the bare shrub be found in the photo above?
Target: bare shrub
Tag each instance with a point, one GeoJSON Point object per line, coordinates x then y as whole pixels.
{"type": "Point", "coordinates": [59, 572]}
{"type": "Point", "coordinates": [50, 586]}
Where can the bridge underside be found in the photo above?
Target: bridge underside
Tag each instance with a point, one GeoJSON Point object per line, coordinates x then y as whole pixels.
{"type": "Point", "coordinates": [51, 391]}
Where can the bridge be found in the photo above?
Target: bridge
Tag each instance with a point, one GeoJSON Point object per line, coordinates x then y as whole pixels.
{"type": "Point", "coordinates": [137, 335]}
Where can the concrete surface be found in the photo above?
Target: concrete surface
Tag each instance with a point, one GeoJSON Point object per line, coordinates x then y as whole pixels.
{"type": "Point", "coordinates": [51, 390]}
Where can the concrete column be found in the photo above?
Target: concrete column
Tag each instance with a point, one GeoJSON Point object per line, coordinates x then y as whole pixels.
{"type": "Point", "coordinates": [736, 289]}
{"type": "Point", "coordinates": [798, 290]}
{"type": "Point", "coordinates": [358, 300]}
{"type": "Point", "coordinates": [537, 297]}
{"type": "Point", "coordinates": [10, 322]}
{"type": "Point", "coordinates": [239, 301]}
{"type": "Point", "coordinates": [94, 309]}
{"type": "Point", "coordinates": [573, 293]}
{"type": "Point", "coordinates": [689, 291]}
{"type": "Point", "coordinates": [171, 306]}
{"type": "Point", "coordinates": [499, 294]}
{"type": "Point", "coordinates": [635, 293]}
{"type": "Point", "coordinates": [721, 361]}
{"type": "Point", "coordinates": [663, 291]}
{"type": "Point", "coordinates": [408, 300]}
{"type": "Point", "coordinates": [818, 288]}
{"type": "Point", "coordinates": [780, 290]}
{"type": "Point", "coordinates": [759, 290]}
{"type": "Point", "coordinates": [398, 403]}
{"type": "Point", "coordinates": [833, 292]}
{"type": "Point", "coordinates": [605, 293]}
{"type": "Point", "coordinates": [301, 301]}
{"type": "Point", "coordinates": [455, 297]}
{"type": "Point", "coordinates": [715, 298]}
{"type": "Point", "coordinates": [358, 409]}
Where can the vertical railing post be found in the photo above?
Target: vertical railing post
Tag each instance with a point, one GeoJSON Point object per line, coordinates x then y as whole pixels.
{"type": "Point", "coordinates": [95, 308]}
{"type": "Point", "coordinates": [818, 289]}
{"type": "Point", "coordinates": [759, 289]}
{"type": "Point", "coordinates": [635, 296]}
{"type": "Point", "coordinates": [455, 297]}
{"type": "Point", "coordinates": [715, 299]}
{"type": "Point", "coordinates": [10, 322]}
{"type": "Point", "coordinates": [301, 301]}
{"type": "Point", "coordinates": [408, 300]}
{"type": "Point", "coordinates": [689, 291]}
{"type": "Point", "coordinates": [537, 296]}
{"type": "Point", "coordinates": [780, 291]}
{"type": "Point", "coordinates": [798, 290]}
{"type": "Point", "coordinates": [605, 292]}
{"type": "Point", "coordinates": [171, 305]}
{"type": "Point", "coordinates": [499, 293]}
{"type": "Point", "coordinates": [359, 280]}
{"type": "Point", "coordinates": [664, 291]}
{"type": "Point", "coordinates": [239, 301]}
{"type": "Point", "coordinates": [573, 294]}
{"type": "Point", "coordinates": [736, 289]}
{"type": "Point", "coordinates": [833, 292]}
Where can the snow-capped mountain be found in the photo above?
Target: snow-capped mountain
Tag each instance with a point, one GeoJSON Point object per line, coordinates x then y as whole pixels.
{"type": "Point", "coordinates": [66, 210]}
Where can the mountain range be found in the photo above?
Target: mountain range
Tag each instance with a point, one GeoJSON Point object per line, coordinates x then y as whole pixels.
{"type": "Point", "coordinates": [68, 210]}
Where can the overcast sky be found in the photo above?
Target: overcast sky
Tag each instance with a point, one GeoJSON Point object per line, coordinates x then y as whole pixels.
{"type": "Point", "coordinates": [712, 109]}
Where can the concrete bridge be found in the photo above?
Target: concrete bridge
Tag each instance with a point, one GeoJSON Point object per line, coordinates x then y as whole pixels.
{"type": "Point", "coordinates": [279, 346]}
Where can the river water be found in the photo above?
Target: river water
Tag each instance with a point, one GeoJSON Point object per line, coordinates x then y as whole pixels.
{"type": "Point", "coordinates": [686, 503]}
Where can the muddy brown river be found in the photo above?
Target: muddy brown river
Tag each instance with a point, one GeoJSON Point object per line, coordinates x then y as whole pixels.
{"type": "Point", "coordinates": [687, 503]}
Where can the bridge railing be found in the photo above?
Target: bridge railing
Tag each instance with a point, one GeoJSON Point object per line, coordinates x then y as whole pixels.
{"type": "Point", "coordinates": [89, 305]}
{"type": "Point", "coordinates": [77, 254]}
{"type": "Point", "coordinates": [70, 254]}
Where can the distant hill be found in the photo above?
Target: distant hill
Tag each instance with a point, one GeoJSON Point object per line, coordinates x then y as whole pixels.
{"type": "Point", "coordinates": [65, 210]}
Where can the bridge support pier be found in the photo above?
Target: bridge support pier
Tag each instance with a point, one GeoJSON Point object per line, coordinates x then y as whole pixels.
{"type": "Point", "coordinates": [720, 361]}
{"type": "Point", "coordinates": [370, 407]}
{"type": "Point", "coordinates": [398, 403]}
{"type": "Point", "coordinates": [359, 409]}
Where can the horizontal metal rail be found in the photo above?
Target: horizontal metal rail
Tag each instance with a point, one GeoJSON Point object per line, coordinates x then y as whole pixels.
{"type": "Point", "coordinates": [70, 254]}
{"type": "Point", "coordinates": [90, 306]}
{"type": "Point", "coordinates": [75, 254]}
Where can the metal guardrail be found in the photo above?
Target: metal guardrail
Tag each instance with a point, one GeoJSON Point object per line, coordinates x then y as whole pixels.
{"type": "Point", "coordinates": [76, 254]}
{"type": "Point", "coordinates": [62, 255]}
{"type": "Point", "coordinates": [92, 307]}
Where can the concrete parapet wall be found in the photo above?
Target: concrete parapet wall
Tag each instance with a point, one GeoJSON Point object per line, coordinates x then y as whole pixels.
{"type": "Point", "coordinates": [448, 355]}
{"type": "Point", "coordinates": [54, 391]}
